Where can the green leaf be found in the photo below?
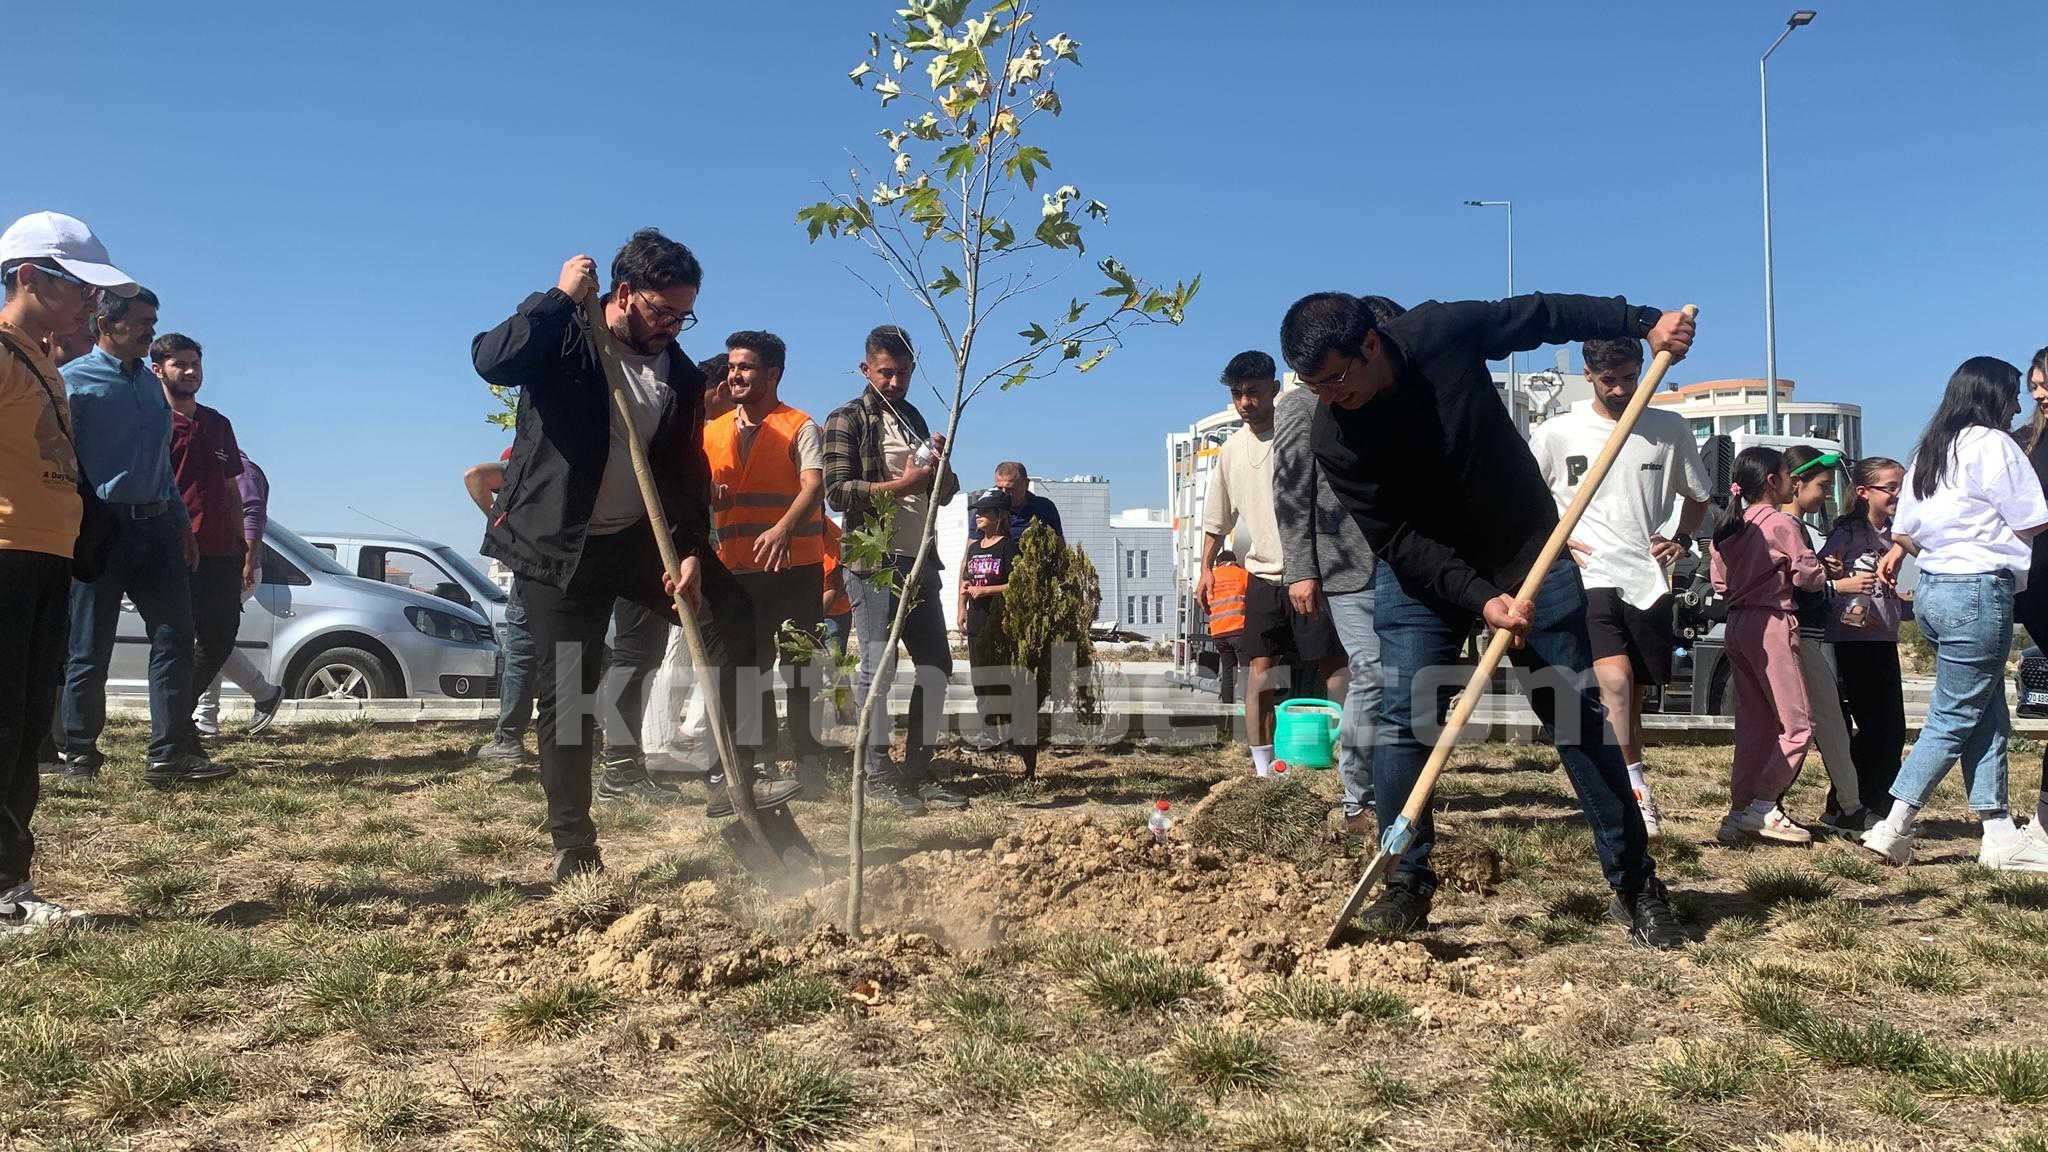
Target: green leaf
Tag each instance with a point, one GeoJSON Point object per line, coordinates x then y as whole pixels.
{"type": "Point", "coordinates": [1024, 69]}
{"type": "Point", "coordinates": [1070, 349]}
{"type": "Point", "coordinates": [1025, 162]}
{"type": "Point", "coordinates": [925, 127]}
{"type": "Point", "coordinates": [1059, 232]}
{"type": "Point", "coordinates": [959, 160]}
{"type": "Point", "coordinates": [1098, 210]}
{"type": "Point", "coordinates": [1020, 376]}
{"type": "Point", "coordinates": [819, 218]}
{"type": "Point", "coordinates": [1074, 310]}
{"type": "Point", "coordinates": [1063, 47]}
{"type": "Point", "coordinates": [949, 281]}
{"type": "Point", "coordinates": [1048, 101]}
{"type": "Point", "coordinates": [1092, 361]}
{"type": "Point", "coordinates": [1001, 232]}
{"type": "Point", "coordinates": [1036, 334]}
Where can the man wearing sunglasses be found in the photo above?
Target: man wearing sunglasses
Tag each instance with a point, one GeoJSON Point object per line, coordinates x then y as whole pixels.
{"type": "Point", "coordinates": [569, 519]}
{"type": "Point", "coordinates": [53, 269]}
{"type": "Point", "coordinates": [1418, 447]}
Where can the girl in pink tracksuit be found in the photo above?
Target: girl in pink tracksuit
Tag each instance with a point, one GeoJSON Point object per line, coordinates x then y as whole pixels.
{"type": "Point", "coordinates": [1759, 556]}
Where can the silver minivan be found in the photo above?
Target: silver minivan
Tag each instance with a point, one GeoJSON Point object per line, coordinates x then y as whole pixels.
{"type": "Point", "coordinates": [320, 631]}
{"type": "Point", "coordinates": [422, 565]}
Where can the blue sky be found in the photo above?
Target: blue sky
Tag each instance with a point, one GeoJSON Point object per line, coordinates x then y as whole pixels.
{"type": "Point", "coordinates": [335, 198]}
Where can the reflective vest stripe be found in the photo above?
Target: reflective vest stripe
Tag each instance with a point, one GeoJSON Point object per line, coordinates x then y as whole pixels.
{"type": "Point", "coordinates": [743, 531]}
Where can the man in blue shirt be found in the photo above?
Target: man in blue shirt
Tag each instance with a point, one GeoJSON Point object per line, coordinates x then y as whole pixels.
{"type": "Point", "coordinates": [123, 427]}
{"type": "Point", "coordinates": [1025, 505]}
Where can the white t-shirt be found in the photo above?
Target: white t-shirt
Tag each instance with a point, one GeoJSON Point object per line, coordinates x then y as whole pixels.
{"type": "Point", "coordinates": [1658, 465]}
{"type": "Point", "coordinates": [1972, 522]}
{"type": "Point", "coordinates": [1241, 498]}
{"type": "Point", "coordinates": [897, 448]}
{"type": "Point", "coordinates": [619, 506]}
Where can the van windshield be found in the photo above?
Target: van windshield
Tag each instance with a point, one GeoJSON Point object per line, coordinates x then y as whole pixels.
{"type": "Point", "coordinates": [299, 552]}
{"type": "Point", "coordinates": [477, 581]}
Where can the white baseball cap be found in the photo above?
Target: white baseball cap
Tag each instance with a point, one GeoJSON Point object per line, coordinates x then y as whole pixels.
{"type": "Point", "coordinates": [66, 242]}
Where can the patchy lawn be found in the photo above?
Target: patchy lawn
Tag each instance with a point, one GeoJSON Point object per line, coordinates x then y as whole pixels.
{"type": "Point", "coordinates": [351, 945]}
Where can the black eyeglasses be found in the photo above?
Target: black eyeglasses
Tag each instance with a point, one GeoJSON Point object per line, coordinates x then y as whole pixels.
{"type": "Point", "coordinates": [666, 316]}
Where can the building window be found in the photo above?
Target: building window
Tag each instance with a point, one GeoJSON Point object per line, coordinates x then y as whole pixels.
{"type": "Point", "coordinates": [1128, 554]}
{"type": "Point", "coordinates": [1144, 563]}
{"type": "Point", "coordinates": [1130, 609]}
{"type": "Point", "coordinates": [1159, 609]}
{"type": "Point", "coordinates": [1702, 429]}
{"type": "Point", "coordinates": [1760, 424]}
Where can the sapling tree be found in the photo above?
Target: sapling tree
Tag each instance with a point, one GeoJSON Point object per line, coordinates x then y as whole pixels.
{"type": "Point", "coordinates": [956, 205]}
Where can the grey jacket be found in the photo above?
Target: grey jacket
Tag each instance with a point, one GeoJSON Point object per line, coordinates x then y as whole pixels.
{"type": "Point", "coordinates": [1318, 538]}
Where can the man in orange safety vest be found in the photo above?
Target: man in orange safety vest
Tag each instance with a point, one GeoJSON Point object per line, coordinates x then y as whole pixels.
{"type": "Point", "coordinates": [768, 471]}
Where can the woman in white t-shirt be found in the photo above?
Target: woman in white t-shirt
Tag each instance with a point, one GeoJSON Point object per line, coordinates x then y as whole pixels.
{"type": "Point", "coordinates": [1970, 508]}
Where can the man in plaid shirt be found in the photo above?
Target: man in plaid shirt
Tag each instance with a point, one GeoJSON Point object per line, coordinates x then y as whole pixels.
{"type": "Point", "coordinates": [875, 467]}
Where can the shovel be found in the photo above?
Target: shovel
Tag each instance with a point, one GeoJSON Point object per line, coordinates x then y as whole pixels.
{"type": "Point", "coordinates": [766, 841]}
{"type": "Point", "coordinates": [1398, 835]}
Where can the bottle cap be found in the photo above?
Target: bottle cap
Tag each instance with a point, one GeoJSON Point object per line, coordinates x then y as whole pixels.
{"type": "Point", "coordinates": [1161, 805]}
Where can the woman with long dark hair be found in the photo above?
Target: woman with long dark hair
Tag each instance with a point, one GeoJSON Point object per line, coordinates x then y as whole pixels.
{"type": "Point", "coordinates": [1759, 556]}
{"type": "Point", "coordinates": [2031, 605]}
{"type": "Point", "coordinates": [1971, 506]}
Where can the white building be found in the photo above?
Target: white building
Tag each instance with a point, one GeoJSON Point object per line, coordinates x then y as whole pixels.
{"type": "Point", "coordinates": [500, 575]}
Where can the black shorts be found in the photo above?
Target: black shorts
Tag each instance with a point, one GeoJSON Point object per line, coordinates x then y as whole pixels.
{"type": "Point", "coordinates": [1274, 630]}
{"type": "Point", "coordinates": [1618, 628]}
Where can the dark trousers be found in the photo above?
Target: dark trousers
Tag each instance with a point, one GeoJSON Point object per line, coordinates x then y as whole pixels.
{"type": "Point", "coordinates": [568, 627]}
{"type": "Point", "coordinates": [147, 565]}
{"type": "Point", "coordinates": [1874, 699]}
{"type": "Point", "coordinates": [34, 598]}
{"type": "Point", "coordinates": [1419, 640]}
{"type": "Point", "coordinates": [793, 596]}
{"type": "Point", "coordinates": [216, 616]}
{"type": "Point", "coordinates": [1226, 672]}
{"type": "Point", "coordinates": [515, 681]}
{"type": "Point", "coordinates": [1005, 697]}
{"type": "Point", "coordinates": [2030, 608]}
{"type": "Point", "coordinates": [639, 640]}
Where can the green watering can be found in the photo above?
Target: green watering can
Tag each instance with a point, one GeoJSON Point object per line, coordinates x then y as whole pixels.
{"type": "Point", "coordinates": [1305, 733]}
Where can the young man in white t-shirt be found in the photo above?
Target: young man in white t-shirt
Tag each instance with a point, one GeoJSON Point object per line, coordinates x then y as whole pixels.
{"type": "Point", "coordinates": [1620, 542]}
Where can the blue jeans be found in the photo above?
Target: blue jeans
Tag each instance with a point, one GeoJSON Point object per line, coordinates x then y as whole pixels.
{"type": "Point", "coordinates": [147, 565]}
{"type": "Point", "coordinates": [515, 686]}
{"type": "Point", "coordinates": [924, 635]}
{"type": "Point", "coordinates": [1352, 613]}
{"type": "Point", "coordinates": [1969, 619]}
{"type": "Point", "coordinates": [1420, 635]}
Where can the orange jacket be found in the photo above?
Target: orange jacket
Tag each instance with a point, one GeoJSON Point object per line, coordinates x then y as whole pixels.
{"type": "Point", "coordinates": [761, 489]}
{"type": "Point", "coordinates": [840, 605]}
{"type": "Point", "coordinates": [1228, 584]}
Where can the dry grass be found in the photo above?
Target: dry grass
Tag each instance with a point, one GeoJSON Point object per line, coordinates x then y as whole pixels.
{"type": "Point", "coordinates": [350, 945]}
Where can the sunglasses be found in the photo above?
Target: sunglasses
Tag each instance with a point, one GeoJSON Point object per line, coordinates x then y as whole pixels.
{"type": "Point", "coordinates": [86, 291]}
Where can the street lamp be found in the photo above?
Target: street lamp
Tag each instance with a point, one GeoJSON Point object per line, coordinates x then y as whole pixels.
{"type": "Point", "coordinates": [1799, 19]}
{"type": "Point", "coordinates": [1514, 380]}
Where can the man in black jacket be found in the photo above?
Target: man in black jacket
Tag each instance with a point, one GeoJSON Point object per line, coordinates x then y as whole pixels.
{"type": "Point", "coordinates": [570, 522]}
{"type": "Point", "coordinates": [1418, 447]}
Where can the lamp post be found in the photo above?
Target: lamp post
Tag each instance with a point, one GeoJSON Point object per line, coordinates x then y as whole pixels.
{"type": "Point", "coordinates": [1799, 19]}
{"type": "Point", "coordinates": [1514, 379]}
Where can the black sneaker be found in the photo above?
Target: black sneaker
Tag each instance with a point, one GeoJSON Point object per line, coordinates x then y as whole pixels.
{"type": "Point", "coordinates": [893, 794]}
{"type": "Point", "coordinates": [266, 711]}
{"type": "Point", "coordinates": [1649, 917]}
{"type": "Point", "coordinates": [937, 795]}
{"type": "Point", "coordinates": [1400, 911]}
{"type": "Point", "coordinates": [185, 768]}
{"type": "Point", "coordinates": [506, 750]}
{"type": "Point", "coordinates": [626, 779]}
{"type": "Point", "coordinates": [768, 795]}
{"type": "Point", "coordinates": [81, 768]}
{"type": "Point", "coordinates": [576, 861]}
{"type": "Point", "coordinates": [1852, 823]}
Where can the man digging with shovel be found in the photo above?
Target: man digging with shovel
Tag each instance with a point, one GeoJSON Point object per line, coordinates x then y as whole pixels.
{"type": "Point", "coordinates": [572, 523]}
{"type": "Point", "coordinates": [1418, 447]}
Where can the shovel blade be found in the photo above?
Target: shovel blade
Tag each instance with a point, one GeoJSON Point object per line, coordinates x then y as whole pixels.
{"type": "Point", "coordinates": [1374, 873]}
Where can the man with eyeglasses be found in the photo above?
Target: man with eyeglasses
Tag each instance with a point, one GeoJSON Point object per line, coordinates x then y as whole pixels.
{"type": "Point", "coordinates": [571, 524]}
{"type": "Point", "coordinates": [1240, 499]}
{"type": "Point", "coordinates": [1420, 450]}
{"type": "Point", "coordinates": [53, 269]}
{"type": "Point", "coordinates": [1657, 483]}
{"type": "Point", "coordinates": [123, 423]}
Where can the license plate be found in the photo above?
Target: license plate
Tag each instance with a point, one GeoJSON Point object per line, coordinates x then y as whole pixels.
{"type": "Point", "coordinates": [2036, 698]}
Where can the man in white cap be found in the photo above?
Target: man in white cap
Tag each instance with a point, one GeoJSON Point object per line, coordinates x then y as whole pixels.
{"type": "Point", "coordinates": [53, 270]}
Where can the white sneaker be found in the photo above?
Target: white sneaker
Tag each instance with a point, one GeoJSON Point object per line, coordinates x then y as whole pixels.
{"type": "Point", "coordinates": [1653, 824]}
{"type": "Point", "coordinates": [2019, 854]}
{"type": "Point", "coordinates": [1895, 846]}
{"type": "Point", "coordinates": [1773, 826]}
{"type": "Point", "coordinates": [2037, 834]}
{"type": "Point", "coordinates": [21, 910]}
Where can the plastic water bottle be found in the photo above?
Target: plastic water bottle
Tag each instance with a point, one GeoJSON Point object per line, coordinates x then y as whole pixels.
{"type": "Point", "coordinates": [927, 453]}
{"type": "Point", "coordinates": [1160, 823]}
